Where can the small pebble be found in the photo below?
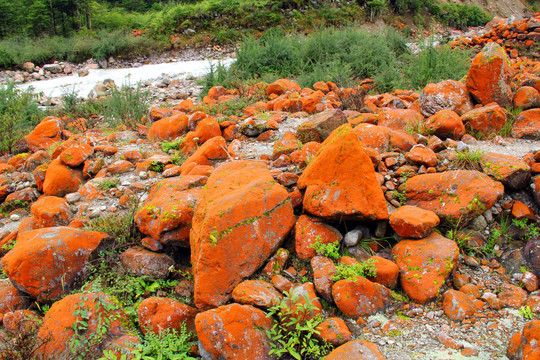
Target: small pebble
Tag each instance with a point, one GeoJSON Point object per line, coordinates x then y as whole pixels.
{"type": "Point", "coordinates": [14, 217]}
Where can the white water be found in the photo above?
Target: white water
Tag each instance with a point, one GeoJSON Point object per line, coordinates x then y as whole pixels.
{"type": "Point", "coordinates": [129, 76]}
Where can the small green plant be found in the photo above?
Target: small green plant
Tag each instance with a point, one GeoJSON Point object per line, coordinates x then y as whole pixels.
{"type": "Point", "coordinates": [468, 160]}
{"type": "Point", "coordinates": [351, 272]}
{"type": "Point", "coordinates": [166, 146]}
{"type": "Point", "coordinates": [526, 312]}
{"type": "Point", "coordinates": [9, 206]}
{"type": "Point", "coordinates": [178, 159]}
{"type": "Point", "coordinates": [157, 166]}
{"type": "Point", "coordinates": [532, 230]}
{"type": "Point", "coordinates": [294, 332]}
{"type": "Point", "coordinates": [330, 250]}
{"type": "Point", "coordinates": [109, 184]}
{"type": "Point", "coordinates": [166, 345]}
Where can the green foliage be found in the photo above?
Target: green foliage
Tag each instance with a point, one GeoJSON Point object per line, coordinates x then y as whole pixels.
{"type": "Point", "coordinates": [365, 269]}
{"type": "Point", "coordinates": [109, 184]}
{"type": "Point", "coordinates": [178, 159]}
{"type": "Point", "coordinates": [330, 250]}
{"type": "Point", "coordinates": [293, 334]}
{"type": "Point", "coordinates": [167, 345]}
{"type": "Point", "coordinates": [459, 15]}
{"type": "Point", "coordinates": [126, 105]}
{"type": "Point", "coordinates": [19, 112]}
{"type": "Point", "coordinates": [511, 117]}
{"type": "Point", "coordinates": [468, 160]}
{"type": "Point", "coordinates": [22, 342]}
{"type": "Point", "coordinates": [9, 206]}
{"type": "Point", "coordinates": [341, 56]}
{"type": "Point", "coordinates": [157, 166]}
{"type": "Point", "coordinates": [166, 146]}
{"type": "Point", "coordinates": [526, 312]}
{"type": "Point", "coordinates": [532, 230]}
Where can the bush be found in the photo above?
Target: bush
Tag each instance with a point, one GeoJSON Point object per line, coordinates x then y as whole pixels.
{"type": "Point", "coordinates": [19, 113]}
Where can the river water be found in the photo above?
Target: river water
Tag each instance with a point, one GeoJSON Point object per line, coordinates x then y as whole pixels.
{"type": "Point", "coordinates": [127, 76]}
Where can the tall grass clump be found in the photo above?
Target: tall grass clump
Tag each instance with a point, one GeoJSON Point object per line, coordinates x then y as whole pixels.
{"type": "Point", "coordinates": [342, 56]}
{"type": "Point", "coordinates": [19, 113]}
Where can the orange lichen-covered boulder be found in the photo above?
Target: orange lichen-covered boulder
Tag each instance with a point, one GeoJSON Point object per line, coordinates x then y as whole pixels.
{"type": "Point", "coordinates": [507, 169]}
{"type": "Point", "coordinates": [424, 265]}
{"type": "Point", "coordinates": [51, 211]}
{"type": "Point", "coordinates": [157, 314]}
{"type": "Point", "coordinates": [310, 230]}
{"type": "Point", "coordinates": [360, 297]}
{"type": "Point", "coordinates": [490, 75]}
{"type": "Point", "coordinates": [81, 324]}
{"type": "Point", "coordinates": [75, 155]}
{"type": "Point", "coordinates": [282, 86]}
{"type": "Point", "coordinates": [46, 133]}
{"type": "Point", "coordinates": [241, 219]}
{"type": "Point", "coordinates": [382, 138]}
{"type": "Point", "coordinates": [234, 332]}
{"type": "Point", "coordinates": [167, 212]}
{"type": "Point", "coordinates": [213, 149]}
{"type": "Point", "coordinates": [45, 263]}
{"type": "Point", "coordinates": [323, 271]}
{"type": "Point", "coordinates": [525, 344]}
{"type": "Point", "coordinates": [169, 128]}
{"type": "Point", "coordinates": [386, 271]}
{"type": "Point", "coordinates": [526, 97]}
{"type": "Point", "coordinates": [340, 181]}
{"type": "Point", "coordinates": [10, 298]}
{"type": "Point", "coordinates": [453, 194]}
{"type": "Point", "coordinates": [257, 293]}
{"type": "Point", "coordinates": [334, 331]}
{"type": "Point", "coordinates": [448, 94]}
{"type": "Point", "coordinates": [142, 262]}
{"type": "Point", "coordinates": [61, 180]}
{"type": "Point", "coordinates": [458, 305]}
{"type": "Point", "coordinates": [301, 295]}
{"type": "Point", "coordinates": [413, 222]}
{"type": "Point", "coordinates": [400, 119]}
{"type": "Point", "coordinates": [527, 125]}
{"type": "Point", "coordinates": [421, 155]}
{"type": "Point", "coordinates": [446, 124]}
{"type": "Point", "coordinates": [358, 350]}
{"type": "Point", "coordinates": [486, 120]}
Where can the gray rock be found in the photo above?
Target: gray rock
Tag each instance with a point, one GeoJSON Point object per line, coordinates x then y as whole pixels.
{"type": "Point", "coordinates": [53, 68]}
{"type": "Point", "coordinates": [479, 223]}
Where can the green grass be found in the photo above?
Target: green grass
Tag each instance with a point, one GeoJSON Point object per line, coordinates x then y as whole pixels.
{"type": "Point", "coordinates": [342, 56]}
{"type": "Point", "coordinates": [19, 113]}
{"type": "Point", "coordinates": [468, 160]}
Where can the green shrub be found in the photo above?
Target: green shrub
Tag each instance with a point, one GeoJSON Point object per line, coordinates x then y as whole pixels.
{"type": "Point", "coordinates": [330, 250]}
{"type": "Point", "coordinates": [19, 113]}
{"type": "Point", "coordinates": [126, 105]}
{"type": "Point", "coordinates": [365, 269]}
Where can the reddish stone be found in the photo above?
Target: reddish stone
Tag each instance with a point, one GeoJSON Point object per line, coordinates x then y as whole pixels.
{"type": "Point", "coordinates": [46, 133]}
{"type": "Point", "coordinates": [457, 305]}
{"type": "Point", "coordinates": [276, 263]}
{"type": "Point", "coordinates": [513, 296]}
{"type": "Point", "coordinates": [310, 230]}
{"type": "Point", "coordinates": [527, 125]}
{"type": "Point", "coordinates": [157, 314]}
{"type": "Point", "coordinates": [525, 344]}
{"type": "Point", "coordinates": [360, 297]}
{"type": "Point", "coordinates": [142, 262]}
{"type": "Point", "coordinates": [323, 271]}
{"type": "Point", "coordinates": [485, 120]}
{"type": "Point", "coordinates": [413, 222]}
{"type": "Point", "coordinates": [507, 169]}
{"type": "Point", "coordinates": [257, 293]}
{"type": "Point", "coordinates": [448, 94]}
{"type": "Point", "coordinates": [334, 331]}
{"type": "Point", "coordinates": [446, 124]}
{"type": "Point", "coordinates": [358, 350]}
{"type": "Point", "coordinates": [386, 272]}
{"type": "Point", "coordinates": [60, 179]}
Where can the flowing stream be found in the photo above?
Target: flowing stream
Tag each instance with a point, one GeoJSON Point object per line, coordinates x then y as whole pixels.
{"type": "Point", "coordinates": [127, 76]}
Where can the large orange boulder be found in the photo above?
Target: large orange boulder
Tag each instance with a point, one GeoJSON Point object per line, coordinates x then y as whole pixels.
{"type": "Point", "coordinates": [46, 263]}
{"type": "Point", "coordinates": [310, 230]}
{"type": "Point", "coordinates": [61, 180]}
{"type": "Point", "coordinates": [46, 133]}
{"type": "Point", "coordinates": [169, 128]}
{"type": "Point", "coordinates": [400, 119]}
{"type": "Point", "coordinates": [157, 314]}
{"type": "Point", "coordinates": [213, 149]}
{"type": "Point", "coordinates": [485, 120]}
{"type": "Point", "coordinates": [413, 222]}
{"type": "Point", "coordinates": [81, 324]}
{"type": "Point", "coordinates": [282, 86]}
{"type": "Point", "coordinates": [257, 293]}
{"type": "Point", "coordinates": [424, 265]}
{"type": "Point", "coordinates": [361, 297]}
{"type": "Point", "coordinates": [526, 97]}
{"type": "Point", "coordinates": [446, 124]}
{"type": "Point", "coordinates": [448, 94]}
{"type": "Point", "coordinates": [356, 349]}
{"type": "Point", "coordinates": [10, 298]}
{"type": "Point", "coordinates": [75, 155]}
{"type": "Point", "coordinates": [421, 155]}
{"type": "Point", "coordinates": [527, 125]}
{"type": "Point", "coordinates": [382, 138]}
{"type": "Point", "coordinates": [490, 75]}
{"type": "Point", "coordinates": [525, 344]}
{"type": "Point", "coordinates": [168, 211]}
{"type": "Point", "coordinates": [340, 182]}
{"type": "Point", "coordinates": [453, 195]}
{"type": "Point", "coordinates": [50, 211]}
{"type": "Point", "coordinates": [242, 218]}
{"type": "Point", "coordinates": [507, 169]}
{"type": "Point", "coordinates": [234, 332]}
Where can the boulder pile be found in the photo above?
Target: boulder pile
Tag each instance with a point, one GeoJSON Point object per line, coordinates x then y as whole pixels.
{"type": "Point", "coordinates": [353, 226]}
